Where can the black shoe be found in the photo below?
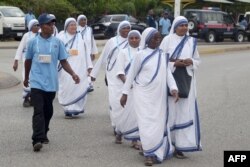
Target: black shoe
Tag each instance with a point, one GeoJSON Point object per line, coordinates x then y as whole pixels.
{"type": "Point", "coordinates": [37, 147]}
{"type": "Point", "coordinates": [68, 116]}
{"type": "Point", "coordinates": [26, 103]}
{"type": "Point", "coordinates": [45, 141]}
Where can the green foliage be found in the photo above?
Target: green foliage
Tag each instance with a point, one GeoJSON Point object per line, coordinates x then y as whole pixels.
{"type": "Point", "coordinates": [93, 8]}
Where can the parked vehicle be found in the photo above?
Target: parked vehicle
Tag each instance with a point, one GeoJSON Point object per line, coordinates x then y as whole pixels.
{"type": "Point", "coordinates": [213, 25]}
{"type": "Point", "coordinates": [12, 23]}
{"type": "Point", "coordinates": [107, 25]}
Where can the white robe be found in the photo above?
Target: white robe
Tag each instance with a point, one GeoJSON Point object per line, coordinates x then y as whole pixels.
{"type": "Point", "coordinates": [20, 55]}
{"type": "Point", "coordinates": [87, 35]}
{"type": "Point", "coordinates": [183, 115]}
{"type": "Point", "coordinates": [70, 95]}
{"type": "Point", "coordinates": [150, 101]}
{"type": "Point", "coordinates": [125, 120]}
{"type": "Point", "coordinates": [114, 83]}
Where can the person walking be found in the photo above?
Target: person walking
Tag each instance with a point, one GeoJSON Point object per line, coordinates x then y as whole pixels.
{"type": "Point", "coordinates": [150, 75]}
{"type": "Point", "coordinates": [125, 120]}
{"type": "Point", "coordinates": [183, 115]}
{"type": "Point", "coordinates": [20, 55]}
{"type": "Point", "coordinates": [28, 17]}
{"type": "Point", "coordinates": [109, 58]}
{"type": "Point", "coordinates": [42, 56]}
{"type": "Point", "coordinates": [72, 96]}
{"type": "Point", "coordinates": [90, 43]}
{"type": "Point", "coordinates": [164, 25]}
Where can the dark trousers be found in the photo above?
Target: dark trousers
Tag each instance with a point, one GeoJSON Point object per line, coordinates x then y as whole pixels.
{"type": "Point", "coordinates": [43, 111]}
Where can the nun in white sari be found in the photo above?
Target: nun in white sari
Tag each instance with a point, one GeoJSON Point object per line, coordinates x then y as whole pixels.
{"type": "Point", "coordinates": [88, 37]}
{"type": "Point", "coordinates": [109, 58]}
{"type": "Point", "coordinates": [73, 96]}
{"type": "Point", "coordinates": [33, 28]}
{"type": "Point", "coordinates": [183, 115]}
{"type": "Point", "coordinates": [126, 122]}
{"type": "Point", "coordinates": [150, 77]}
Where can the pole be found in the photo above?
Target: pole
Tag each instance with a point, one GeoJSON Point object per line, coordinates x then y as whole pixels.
{"type": "Point", "coordinates": [177, 8]}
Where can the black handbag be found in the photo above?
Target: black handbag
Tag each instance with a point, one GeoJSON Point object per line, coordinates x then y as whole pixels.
{"type": "Point", "coordinates": [183, 81]}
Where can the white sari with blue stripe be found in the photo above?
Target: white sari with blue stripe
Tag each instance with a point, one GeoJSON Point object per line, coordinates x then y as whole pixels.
{"type": "Point", "coordinates": [150, 101]}
{"type": "Point", "coordinates": [73, 96]}
{"type": "Point", "coordinates": [126, 122]}
{"type": "Point", "coordinates": [183, 115]}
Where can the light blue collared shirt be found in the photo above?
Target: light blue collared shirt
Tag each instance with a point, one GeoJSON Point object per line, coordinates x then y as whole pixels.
{"type": "Point", "coordinates": [44, 76]}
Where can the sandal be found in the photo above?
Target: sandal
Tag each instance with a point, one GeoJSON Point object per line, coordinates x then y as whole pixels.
{"type": "Point", "coordinates": [148, 161]}
{"type": "Point", "coordinates": [135, 145]}
{"type": "Point", "coordinates": [118, 139]}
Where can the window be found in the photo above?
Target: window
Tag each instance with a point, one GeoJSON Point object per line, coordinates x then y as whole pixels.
{"type": "Point", "coordinates": [12, 12]}
{"type": "Point", "coordinates": [118, 18]}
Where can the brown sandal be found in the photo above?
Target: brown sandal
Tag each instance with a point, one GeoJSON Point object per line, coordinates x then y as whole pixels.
{"type": "Point", "coordinates": [135, 145]}
{"type": "Point", "coordinates": [148, 161]}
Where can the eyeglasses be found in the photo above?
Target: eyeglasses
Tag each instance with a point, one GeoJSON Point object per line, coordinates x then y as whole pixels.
{"type": "Point", "coordinates": [36, 25]}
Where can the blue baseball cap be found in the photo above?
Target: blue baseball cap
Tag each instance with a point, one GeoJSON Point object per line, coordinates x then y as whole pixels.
{"type": "Point", "coordinates": [46, 18]}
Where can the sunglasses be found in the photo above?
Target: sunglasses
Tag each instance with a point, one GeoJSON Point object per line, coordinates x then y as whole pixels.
{"type": "Point", "coordinates": [36, 25]}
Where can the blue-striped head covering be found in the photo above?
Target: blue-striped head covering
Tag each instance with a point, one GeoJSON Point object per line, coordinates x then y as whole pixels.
{"type": "Point", "coordinates": [31, 23]}
{"type": "Point", "coordinates": [81, 17]}
{"type": "Point", "coordinates": [147, 35]}
{"type": "Point", "coordinates": [67, 22]}
{"type": "Point", "coordinates": [134, 33]}
{"type": "Point", "coordinates": [177, 22]}
{"type": "Point", "coordinates": [122, 25]}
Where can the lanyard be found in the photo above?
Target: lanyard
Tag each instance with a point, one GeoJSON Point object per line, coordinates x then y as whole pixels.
{"type": "Point", "coordinates": [71, 41]}
{"type": "Point", "coordinates": [130, 60]}
{"type": "Point", "coordinates": [37, 45]}
{"type": "Point", "coordinates": [83, 31]}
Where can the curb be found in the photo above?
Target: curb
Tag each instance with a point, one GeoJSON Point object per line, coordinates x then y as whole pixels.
{"type": "Point", "coordinates": [206, 51]}
{"type": "Point", "coordinates": [8, 80]}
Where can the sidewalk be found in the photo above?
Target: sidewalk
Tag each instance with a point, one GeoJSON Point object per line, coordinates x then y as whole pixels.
{"type": "Point", "coordinates": [204, 49]}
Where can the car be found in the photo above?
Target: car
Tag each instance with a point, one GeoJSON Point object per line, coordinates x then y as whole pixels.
{"type": "Point", "coordinates": [12, 22]}
{"type": "Point", "coordinates": [213, 25]}
{"type": "Point", "coordinates": [107, 25]}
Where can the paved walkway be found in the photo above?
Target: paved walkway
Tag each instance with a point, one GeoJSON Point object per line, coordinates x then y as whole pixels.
{"type": "Point", "coordinates": [7, 80]}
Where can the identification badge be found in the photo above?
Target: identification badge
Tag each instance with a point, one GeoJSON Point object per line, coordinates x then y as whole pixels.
{"type": "Point", "coordinates": [73, 52]}
{"type": "Point", "coordinates": [44, 58]}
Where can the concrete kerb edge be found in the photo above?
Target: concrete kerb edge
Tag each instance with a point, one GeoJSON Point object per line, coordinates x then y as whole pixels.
{"type": "Point", "coordinates": [222, 50]}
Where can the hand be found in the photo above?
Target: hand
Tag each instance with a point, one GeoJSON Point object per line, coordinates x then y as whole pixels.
{"type": "Point", "coordinates": [123, 100]}
{"type": "Point", "coordinates": [179, 63]}
{"type": "Point", "coordinates": [92, 79]}
{"type": "Point", "coordinates": [92, 57]}
{"type": "Point", "coordinates": [15, 65]}
{"type": "Point", "coordinates": [89, 70]}
{"type": "Point", "coordinates": [175, 95]}
{"type": "Point", "coordinates": [26, 82]}
{"type": "Point", "coordinates": [76, 78]}
{"type": "Point", "coordinates": [188, 62]}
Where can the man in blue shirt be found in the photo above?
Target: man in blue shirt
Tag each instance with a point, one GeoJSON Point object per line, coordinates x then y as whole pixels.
{"type": "Point", "coordinates": [164, 25]}
{"type": "Point", "coordinates": [42, 56]}
{"type": "Point", "coordinates": [29, 16]}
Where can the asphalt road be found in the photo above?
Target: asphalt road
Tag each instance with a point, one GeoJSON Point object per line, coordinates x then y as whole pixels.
{"type": "Point", "coordinates": [223, 92]}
